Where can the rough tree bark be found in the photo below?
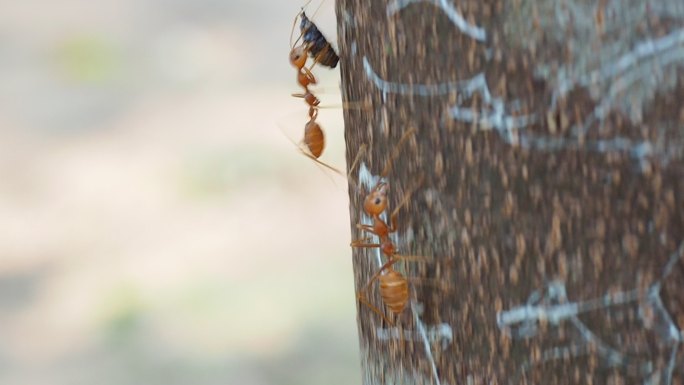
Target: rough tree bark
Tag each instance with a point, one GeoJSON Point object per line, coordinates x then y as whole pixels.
{"type": "Point", "coordinates": [550, 135]}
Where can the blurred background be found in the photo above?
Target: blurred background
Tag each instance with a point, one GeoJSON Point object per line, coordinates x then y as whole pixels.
{"type": "Point", "coordinates": [157, 226]}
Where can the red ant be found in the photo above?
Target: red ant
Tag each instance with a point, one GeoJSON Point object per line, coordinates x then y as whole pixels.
{"type": "Point", "coordinates": [393, 285]}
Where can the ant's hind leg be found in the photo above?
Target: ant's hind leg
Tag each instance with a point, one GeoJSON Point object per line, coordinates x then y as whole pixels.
{"type": "Point", "coordinates": [375, 276]}
{"type": "Point", "coordinates": [365, 301]}
{"type": "Point", "coordinates": [377, 311]}
{"type": "Point", "coordinates": [310, 156]}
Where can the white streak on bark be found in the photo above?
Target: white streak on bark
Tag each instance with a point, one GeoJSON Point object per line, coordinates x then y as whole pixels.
{"type": "Point", "coordinates": [475, 32]}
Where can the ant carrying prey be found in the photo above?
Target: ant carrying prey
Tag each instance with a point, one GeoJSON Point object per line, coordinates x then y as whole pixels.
{"type": "Point", "coordinates": [314, 44]}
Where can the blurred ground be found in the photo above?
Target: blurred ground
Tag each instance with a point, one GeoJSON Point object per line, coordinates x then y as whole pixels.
{"type": "Point", "coordinates": [156, 225]}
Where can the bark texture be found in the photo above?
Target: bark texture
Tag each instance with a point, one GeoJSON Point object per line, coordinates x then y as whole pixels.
{"type": "Point", "coordinates": [550, 140]}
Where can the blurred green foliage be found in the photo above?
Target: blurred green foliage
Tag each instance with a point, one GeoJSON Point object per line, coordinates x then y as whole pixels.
{"type": "Point", "coordinates": [88, 59]}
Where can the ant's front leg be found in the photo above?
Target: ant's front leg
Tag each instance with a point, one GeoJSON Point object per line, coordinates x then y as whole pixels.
{"type": "Point", "coordinates": [320, 55]}
{"type": "Point", "coordinates": [308, 75]}
{"type": "Point", "coordinates": [378, 228]}
{"type": "Point", "coordinates": [393, 217]}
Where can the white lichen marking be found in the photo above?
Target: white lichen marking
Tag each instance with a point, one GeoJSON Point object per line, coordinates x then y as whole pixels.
{"type": "Point", "coordinates": [475, 32]}
{"type": "Point", "coordinates": [441, 333]}
{"type": "Point", "coordinates": [553, 307]}
{"type": "Point", "coordinates": [501, 116]}
{"type": "Point", "coordinates": [426, 342]}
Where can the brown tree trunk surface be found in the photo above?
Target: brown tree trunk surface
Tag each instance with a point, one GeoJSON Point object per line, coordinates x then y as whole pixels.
{"type": "Point", "coordinates": [550, 144]}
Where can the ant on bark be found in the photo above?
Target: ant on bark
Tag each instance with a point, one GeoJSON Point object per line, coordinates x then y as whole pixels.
{"type": "Point", "coordinates": [393, 285]}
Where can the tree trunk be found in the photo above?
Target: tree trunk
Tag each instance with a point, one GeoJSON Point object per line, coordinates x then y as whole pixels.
{"type": "Point", "coordinates": [550, 146]}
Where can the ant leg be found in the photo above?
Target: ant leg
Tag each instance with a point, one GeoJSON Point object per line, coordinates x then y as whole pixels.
{"type": "Point", "coordinates": [308, 155]}
{"type": "Point", "coordinates": [366, 302]}
{"type": "Point", "coordinates": [410, 258]}
{"type": "Point", "coordinates": [357, 158]}
{"type": "Point", "coordinates": [294, 22]}
{"type": "Point", "coordinates": [370, 282]}
{"type": "Point", "coordinates": [362, 151]}
{"type": "Point", "coordinates": [329, 167]}
{"type": "Point", "coordinates": [314, 62]}
{"type": "Point", "coordinates": [320, 55]}
{"type": "Point", "coordinates": [309, 77]}
{"type": "Point", "coordinates": [393, 216]}
{"type": "Point", "coordinates": [377, 274]}
{"type": "Point", "coordinates": [360, 244]}
{"type": "Point", "coordinates": [363, 242]}
{"type": "Point", "coordinates": [367, 228]}
{"type": "Point", "coordinates": [425, 282]}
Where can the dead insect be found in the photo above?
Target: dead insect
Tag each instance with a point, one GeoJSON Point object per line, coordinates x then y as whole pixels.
{"type": "Point", "coordinates": [317, 45]}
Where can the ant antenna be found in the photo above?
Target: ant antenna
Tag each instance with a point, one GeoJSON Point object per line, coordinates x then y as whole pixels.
{"type": "Point", "coordinates": [294, 23]}
{"type": "Point", "coordinates": [362, 150]}
{"type": "Point", "coordinates": [395, 152]}
{"type": "Point", "coordinates": [316, 10]}
{"type": "Point", "coordinates": [361, 153]}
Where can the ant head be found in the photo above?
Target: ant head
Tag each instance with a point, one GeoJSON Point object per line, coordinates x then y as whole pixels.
{"type": "Point", "coordinates": [376, 201]}
{"type": "Point", "coordinates": [298, 56]}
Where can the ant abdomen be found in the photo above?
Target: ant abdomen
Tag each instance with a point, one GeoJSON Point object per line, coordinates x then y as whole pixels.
{"type": "Point", "coordinates": [314, 138]}
{"type": "Point", "coordinates": [394, 290]}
